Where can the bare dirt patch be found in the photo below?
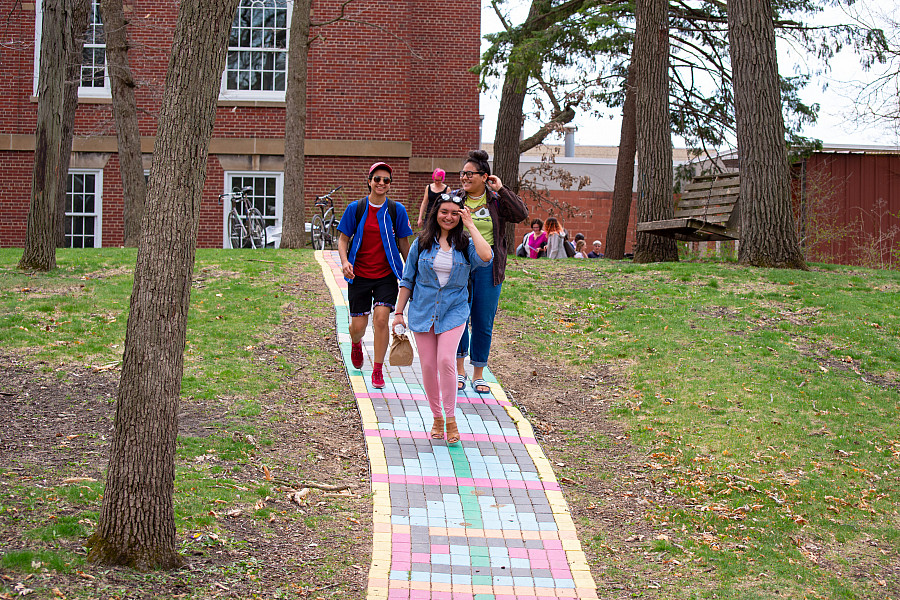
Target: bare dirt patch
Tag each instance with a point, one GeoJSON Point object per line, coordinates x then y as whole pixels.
{"type": "Point", "coordinates": [56, 422]}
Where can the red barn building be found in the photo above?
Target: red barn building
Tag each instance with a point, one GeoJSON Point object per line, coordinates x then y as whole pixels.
{"type": "Point", "coordinates": [847, 200]}
{"type": "Point", "coordinates": [383, 84]}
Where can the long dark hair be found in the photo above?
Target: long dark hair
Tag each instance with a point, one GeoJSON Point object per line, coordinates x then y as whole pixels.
{"type": "Point", "coordinates": [480, 158]}
{"type": "Point", "coordinates": [456, 236]}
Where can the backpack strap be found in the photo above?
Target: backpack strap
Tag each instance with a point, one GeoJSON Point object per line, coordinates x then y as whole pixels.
{"type": "Point", "coordinates": [363, 205]}
{"type": "Point", "coordinates": [392, 211]}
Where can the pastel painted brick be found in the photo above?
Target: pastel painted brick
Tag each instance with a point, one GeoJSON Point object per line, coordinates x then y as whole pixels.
{"type": "Point", "coordinates": [483, 519]}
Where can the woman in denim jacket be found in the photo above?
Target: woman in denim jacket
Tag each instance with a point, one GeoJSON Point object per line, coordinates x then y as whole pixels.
{"type": "Point", "coordinates": [435, 283]}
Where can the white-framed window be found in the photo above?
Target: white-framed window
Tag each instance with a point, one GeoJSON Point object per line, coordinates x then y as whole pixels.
{"type": "Point", "coordinates": [257, 51]}
{"type": "Point", "coordinates": [93, 56]}
{"type": "Point", "coordinates": [94, 75]}
{"type": "Point", "coordinates": [267, 196]}
{"type": "Point", "coordinates": [84, 214]}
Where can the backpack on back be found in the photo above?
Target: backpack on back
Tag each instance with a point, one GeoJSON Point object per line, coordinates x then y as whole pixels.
{"type": "Point", "coordinates": [361, 208]}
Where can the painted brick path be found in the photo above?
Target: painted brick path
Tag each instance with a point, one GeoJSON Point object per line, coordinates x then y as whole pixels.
{"type": "Point", "coordinates": [480, 520]}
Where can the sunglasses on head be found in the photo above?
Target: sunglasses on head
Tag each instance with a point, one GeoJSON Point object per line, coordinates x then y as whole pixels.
{"type": "Point", "coordinates": [457, 200]}
{"type": "Point", "coordinates": [468, 174]}
{"type": "Point", "coordinates": [379, 179]}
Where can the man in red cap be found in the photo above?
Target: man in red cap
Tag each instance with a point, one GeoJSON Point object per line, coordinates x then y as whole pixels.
{"type": "Point", "coordinates": [374, 232]}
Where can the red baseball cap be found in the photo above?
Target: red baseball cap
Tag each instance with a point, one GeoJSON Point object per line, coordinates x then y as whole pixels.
{"type": "Point", "coordinates": [380, 165]}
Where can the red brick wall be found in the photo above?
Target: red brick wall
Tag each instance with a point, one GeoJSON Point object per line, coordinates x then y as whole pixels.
{"type": "Point", "coordinates": [15, 189]}
{"type": "Point", "coordinates": [388, 76]}
{"type": "Point", "coordinates": [113, 206]}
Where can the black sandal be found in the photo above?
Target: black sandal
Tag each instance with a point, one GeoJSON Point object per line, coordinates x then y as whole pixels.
{"type": "Point", "coordinates": [476, 383]}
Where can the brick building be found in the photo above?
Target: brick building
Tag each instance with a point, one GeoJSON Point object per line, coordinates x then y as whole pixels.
{"type": "Point", "coordinates": [383, 85]}
{"type": "Point", "coordinates": [586, 210]}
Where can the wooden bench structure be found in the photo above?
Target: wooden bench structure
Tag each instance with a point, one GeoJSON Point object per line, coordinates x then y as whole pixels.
{"type": "Point", "coordinates": [708, 210]}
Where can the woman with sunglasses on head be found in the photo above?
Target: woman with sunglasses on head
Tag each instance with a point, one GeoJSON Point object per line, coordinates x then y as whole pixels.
{"type": "Point", "coordinates": [436, 277]}
{"type": "Point", "coordinates": [492, 206]}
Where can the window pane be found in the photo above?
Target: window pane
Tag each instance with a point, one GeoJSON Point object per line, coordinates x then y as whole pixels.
{"type": "Point", "coordinates": [94, 53]}
{"type": "Point", "coordinates": [257, 53]}
{"type": "Point", "coordinates": [263, 196]}
{"type": "Point", "coordinates": [81, 210]}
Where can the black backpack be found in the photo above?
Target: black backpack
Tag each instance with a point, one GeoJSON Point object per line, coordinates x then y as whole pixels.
{"type": "Point", "coordinates": [361, 208]}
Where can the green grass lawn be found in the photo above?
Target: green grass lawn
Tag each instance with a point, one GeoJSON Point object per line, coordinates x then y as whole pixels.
{"type": "Point", "coordinates": [766, 400]}
{"type": "Point", "coordinates": [77, 313]}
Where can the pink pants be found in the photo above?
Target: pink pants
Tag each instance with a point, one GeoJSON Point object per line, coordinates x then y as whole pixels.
{"type": "Point", "coordinates": [437, 354]}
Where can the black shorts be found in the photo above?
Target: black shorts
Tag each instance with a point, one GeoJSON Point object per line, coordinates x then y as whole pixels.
{"type": "Point", "coordinates": [362, 293]}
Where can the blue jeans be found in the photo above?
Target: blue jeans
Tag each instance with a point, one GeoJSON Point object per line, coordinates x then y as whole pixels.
{"type": "Point", "coordinates": [484, 297]}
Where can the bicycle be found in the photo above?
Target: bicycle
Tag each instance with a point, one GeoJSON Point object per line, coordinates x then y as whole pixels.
{"type": "Point", "coordinates": [246, 228]}
{"type": "Point", "coordinates": [323, 229]}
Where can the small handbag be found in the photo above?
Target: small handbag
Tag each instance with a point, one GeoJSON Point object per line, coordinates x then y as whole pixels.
{"type": "Point", "coordinates": [401, 352]}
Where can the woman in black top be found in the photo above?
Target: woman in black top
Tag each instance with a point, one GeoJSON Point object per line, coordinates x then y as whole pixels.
{"type": "Point", "coordinates": [432, 192]}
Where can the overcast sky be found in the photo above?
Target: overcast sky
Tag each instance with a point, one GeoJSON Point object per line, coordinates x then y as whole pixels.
{"type": "Point", "coordinates": [833, 127]}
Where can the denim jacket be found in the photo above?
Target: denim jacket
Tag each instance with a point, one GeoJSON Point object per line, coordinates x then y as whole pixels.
{"type": "Point", "coordinates": [432, 305]}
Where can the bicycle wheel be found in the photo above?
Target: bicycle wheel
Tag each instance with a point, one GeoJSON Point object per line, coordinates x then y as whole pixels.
{"type": "Point", "coordinates": [257, 229]}
{"type": "Point", "coordinates": [237, 233]}
{"type": "Point", "coordinates": [317, 233]}
{"type": "Point", "coordinates": [332, 233]}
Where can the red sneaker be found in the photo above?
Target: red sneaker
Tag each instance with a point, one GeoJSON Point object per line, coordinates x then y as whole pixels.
{"type": "Point", "coordinates": [356, 355]}
{"type": "Point", "coordinates": [377, 380]}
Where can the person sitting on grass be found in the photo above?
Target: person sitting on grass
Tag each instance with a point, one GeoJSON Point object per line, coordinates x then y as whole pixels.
{"type": "Point", "coordinates": [579, 249]}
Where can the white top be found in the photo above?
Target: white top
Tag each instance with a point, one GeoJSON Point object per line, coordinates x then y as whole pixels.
{"type": "Point", "coordinates": [555, 247]}
{"type": "Point", "coordinates": [443, 263]}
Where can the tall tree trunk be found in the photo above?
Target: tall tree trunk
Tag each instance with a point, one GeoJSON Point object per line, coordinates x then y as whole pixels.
{"type": "Point", "coordinates": [128, 135]}
{"type": "Point", "coordinates": [293, 231]}
{"type": "Point", "coordinates": [768, 236]}
{"type": "Point", "coordinates": [137, 519]}
{"type": "Point", "coordinates": [74, 40]}
{"type": "Point", "coordinates": [617, 231]}
{"type": "Point", "coordinates": [654, 136]}
{"type": "Point", "coordinates": [510, 117]}
{"type": "Point", "coordinates": [62, 38]}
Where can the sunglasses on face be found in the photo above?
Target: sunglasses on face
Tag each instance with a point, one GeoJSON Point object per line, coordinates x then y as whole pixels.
{"type": "Point", "coordinates": [468, 174]}
{"type": "Point", "coordinates": [379, 179]}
